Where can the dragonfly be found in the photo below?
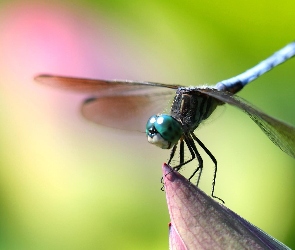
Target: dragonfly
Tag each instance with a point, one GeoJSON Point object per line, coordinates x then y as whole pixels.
{"type": "Point", "coordinates": [126, 105]}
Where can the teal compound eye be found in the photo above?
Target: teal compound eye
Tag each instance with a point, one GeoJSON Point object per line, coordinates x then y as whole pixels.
{"type": "Point", "coordinates": [163, 131]}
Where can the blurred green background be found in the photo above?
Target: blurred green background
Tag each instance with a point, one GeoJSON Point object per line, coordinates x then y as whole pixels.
{"type": "Point", "coordinates": [66, 183]}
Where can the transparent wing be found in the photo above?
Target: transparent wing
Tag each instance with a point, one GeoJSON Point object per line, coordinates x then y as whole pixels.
{"type": "Point", "coordinates": [126, 112]}
{"type": "Point", "coordinates": [101, 87]}
{"type": "Point", "coordinates": [280, 133]}
{"type": "Point", "coordinates": [118, 104]}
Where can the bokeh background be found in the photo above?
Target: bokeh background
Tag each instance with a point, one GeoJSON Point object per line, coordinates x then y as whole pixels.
{"type": "Point", "coordinates": [66, 183]}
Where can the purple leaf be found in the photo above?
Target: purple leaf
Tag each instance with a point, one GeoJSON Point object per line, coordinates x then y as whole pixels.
{"type": "Point", "coordinates": [199, 222]}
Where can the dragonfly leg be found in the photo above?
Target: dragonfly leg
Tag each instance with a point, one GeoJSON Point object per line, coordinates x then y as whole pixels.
{"type": "Point", "coordinates": [172, 153]}
{"type": "Point", "coordinates": [181, 157]}
{"type": "Point", "coordinates": [182, 162]}
{"type": "Point", "coordinates": [181, 152]}
{"type": "Point", "coordinates": [200, 160]}
{"type": "Point", "coordinates": [213, 160]}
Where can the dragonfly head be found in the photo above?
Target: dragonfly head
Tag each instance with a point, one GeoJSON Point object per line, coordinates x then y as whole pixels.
{"type": "Point", "coordinates": [163, 131]}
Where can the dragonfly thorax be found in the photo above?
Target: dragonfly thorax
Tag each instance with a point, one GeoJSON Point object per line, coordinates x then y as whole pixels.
{"type": "Point", "coordinates": [191, 107]}
{"type": "Point", "coordinates": [163, 131]}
